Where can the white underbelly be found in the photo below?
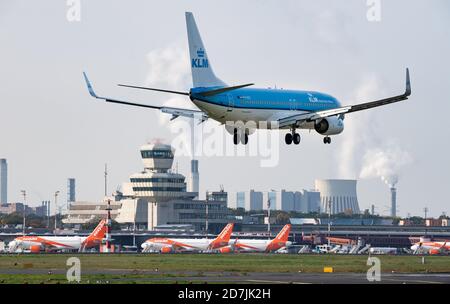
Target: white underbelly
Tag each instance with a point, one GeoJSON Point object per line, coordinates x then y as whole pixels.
{"type": "Point", "coordinates": [263, 118]}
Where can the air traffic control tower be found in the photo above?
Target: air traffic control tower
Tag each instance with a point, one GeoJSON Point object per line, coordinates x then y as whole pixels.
{"type": "Point", "coordinates": [158, 185]}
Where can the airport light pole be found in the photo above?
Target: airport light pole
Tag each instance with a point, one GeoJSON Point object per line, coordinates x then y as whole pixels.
{"type": "Point", "coordinates": [56, 208]}
{"type": "Point", "coordinates": [24, 194]}
{"type": "Point", "coordinates": [134, 224]}
{"type": "Point", "coordinates": [425, 220]}
{"type": "Point", "coordinates": [47, 210]}
{"type": "Point", "coordinates": [329, 220]}
{"type": "Point", "coordinates": [268, 211]}
{"type": "Point", "coordinates": [207, 213]}
{"type": "Point", "coordinates": [106, 179]}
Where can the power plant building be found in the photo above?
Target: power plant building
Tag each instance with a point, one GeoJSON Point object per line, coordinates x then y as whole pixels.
{"type": "Point", "coordinates": [338, 196]}
{"type": "Point", "coordinates": [393, 202]}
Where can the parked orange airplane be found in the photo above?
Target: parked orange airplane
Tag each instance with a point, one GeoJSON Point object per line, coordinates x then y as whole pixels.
{"type": "Point", "coordinates": [36, 244]}
{"type": "Point", "coordinates": [166, 245]}
{"type": "Point", "coordinates": [255, 245]}
{"type": "Point", "coordinates": [431, 247]}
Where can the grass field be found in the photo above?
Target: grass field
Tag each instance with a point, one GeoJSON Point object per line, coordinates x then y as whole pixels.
{"type": "Point", "coordinates": [197, 264]}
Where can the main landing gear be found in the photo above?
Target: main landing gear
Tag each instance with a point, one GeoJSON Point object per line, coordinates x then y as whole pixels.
{"type": "Point", "coordinates": [240, 137]}
{"type": "Point", "coordinates": [292, 137]}
{"type": "Point", "coordinates": [327, 140]}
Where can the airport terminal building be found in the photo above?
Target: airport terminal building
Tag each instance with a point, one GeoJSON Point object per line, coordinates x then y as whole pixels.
{"type": "Point", "coordinates": [156, 196]}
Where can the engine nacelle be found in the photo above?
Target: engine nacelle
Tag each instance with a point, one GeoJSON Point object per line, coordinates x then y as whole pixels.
{"type": "Point", "coordinates": [329, 125]}
{"type": "Point", "coordinates": [435, 251]}
{"type": "Point", "coordinates": [226, 249]}
{"type": "Point", "coordinates": [166, 249]}
{"type": "Point", "coordinates": [35, 248]}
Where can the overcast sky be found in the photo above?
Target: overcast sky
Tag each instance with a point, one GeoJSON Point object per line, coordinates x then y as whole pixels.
{"type": "Point", "coordinates": [51, 129]}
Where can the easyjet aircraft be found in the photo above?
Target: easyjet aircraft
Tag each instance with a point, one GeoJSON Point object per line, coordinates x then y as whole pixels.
{"type": "Point", "coordinates": [280, 241]}
{"type": "Point", "coordinates": [36, 244]}
{"type": "Point", "coordinates": [431, 247]}
{"type": "Point", "coordinates": [166, 245]}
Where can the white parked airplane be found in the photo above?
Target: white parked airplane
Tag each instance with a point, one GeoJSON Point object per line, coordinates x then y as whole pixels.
{"type": "Point", "coordinates": [36, 244]}
{"type": "Point", "coordinates": [430, 247]}
{"type": "Point", "coordinates": [167, 245]}
{"type": "Point", "coordinates": [243, 109]}
{"type": "Point", "coordinates": [255, 245]}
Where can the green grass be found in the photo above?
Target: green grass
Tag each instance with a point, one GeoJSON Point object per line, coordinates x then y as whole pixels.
{"type": "Point", "coordinates": [240, 263]}
{"type": "Point", "coordinates": [92, 279]}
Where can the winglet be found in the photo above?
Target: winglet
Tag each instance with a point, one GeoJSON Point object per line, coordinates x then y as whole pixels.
{"type": "Point", "coordinates": [89, 86]}
{"type": "Point", "coordinates": [408, 83]}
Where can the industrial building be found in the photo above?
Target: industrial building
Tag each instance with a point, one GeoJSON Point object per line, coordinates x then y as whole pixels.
{"type": "Point", "coordinates": [3, 181]}
{"type": "Point", "coordinates": [300, 201]}
{"type": "Point", "coordinates": [338, 196]}
{"type": "Point", "coordinates": [71, 190]}
{"type": "Point", "coordinates": [219, 196]}
{"type": "Point", "coordinates": [249, 200]}
{"type": "Point", "coordinates": [8, 208]}
{"type": "Point", "coordinates": [157, 196]}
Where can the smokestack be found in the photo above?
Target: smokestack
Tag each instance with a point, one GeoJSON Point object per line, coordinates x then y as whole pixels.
{"type": "Point", "coordinates": [3, 181]}
{"type": "Point", "coordinates": [194, 182]}
{"type": "Point", "coordinates": [393, 201]}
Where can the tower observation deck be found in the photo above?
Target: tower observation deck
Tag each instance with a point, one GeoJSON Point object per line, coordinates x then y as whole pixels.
{"type": "Point", "coordinates": [157, 183]}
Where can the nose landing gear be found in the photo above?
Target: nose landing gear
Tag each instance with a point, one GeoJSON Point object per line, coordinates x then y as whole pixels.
{"type": "Point", "coordinates": [327, 140]}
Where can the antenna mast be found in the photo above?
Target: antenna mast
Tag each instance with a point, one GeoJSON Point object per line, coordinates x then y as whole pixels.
{"type": "Point", "coordinates": [106, 180]}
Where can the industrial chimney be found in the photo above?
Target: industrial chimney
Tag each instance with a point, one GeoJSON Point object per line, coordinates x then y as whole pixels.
{"type": "Point", "coordinates": [194, 182]}
{"type": "Point", "coordinates": [393, 201]}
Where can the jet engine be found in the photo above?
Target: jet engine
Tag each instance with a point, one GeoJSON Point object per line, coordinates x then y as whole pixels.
{"type": "Point", "coordinates": [35, 248]}
{"type": "Point", "coordinates": [434, 251]}
{"type": "Point", "coordinates": [226, 249]}
{"type": "Point", "coordinates": [166, 249]}
{"type": "Point", "coordinates": [329, 125]}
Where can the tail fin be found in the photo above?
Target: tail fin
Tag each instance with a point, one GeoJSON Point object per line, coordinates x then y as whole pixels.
{"type": "Point", "coordinates": [202, 72]}
{"type": "Point", "coordinates": [96, 236]}
{"type": "Point", "coordinates": [284, 233]}
{"type": "Point", "coordinates": [223, 238]}
{"type": "Point", "coordinates": [225, 235]}
{"type": "Point", "coordinates": [99, 232]}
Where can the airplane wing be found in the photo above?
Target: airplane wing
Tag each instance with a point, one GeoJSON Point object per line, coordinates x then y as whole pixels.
{"type": "Point", "coordinates": [175, 112]}
{"type": "Point", "coordinates": [308, 117]}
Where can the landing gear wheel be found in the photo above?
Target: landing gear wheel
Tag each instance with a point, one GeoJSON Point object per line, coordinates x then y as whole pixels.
{"type": "Point", "coordinates": [244, 138]}
{"type": "Point", "coordinates": [327, 140]}
{"type": "Point", "coordinates": [288, 138]}
{"type": "Point", "coordinates": [296, 138]}
{"type": "Point", "coordinates": [236, 137]}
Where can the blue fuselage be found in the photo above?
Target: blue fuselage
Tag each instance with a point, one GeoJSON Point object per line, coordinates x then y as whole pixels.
{"type": "Point", "coordinates": [248, 104]}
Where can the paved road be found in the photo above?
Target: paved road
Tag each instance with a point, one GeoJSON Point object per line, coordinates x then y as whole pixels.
{"type": "Point", "coordinates": [254, 277]}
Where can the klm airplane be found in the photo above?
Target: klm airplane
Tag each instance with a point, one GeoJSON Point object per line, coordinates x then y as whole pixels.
{"type": "Point", "coordinates": [242, 109]}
